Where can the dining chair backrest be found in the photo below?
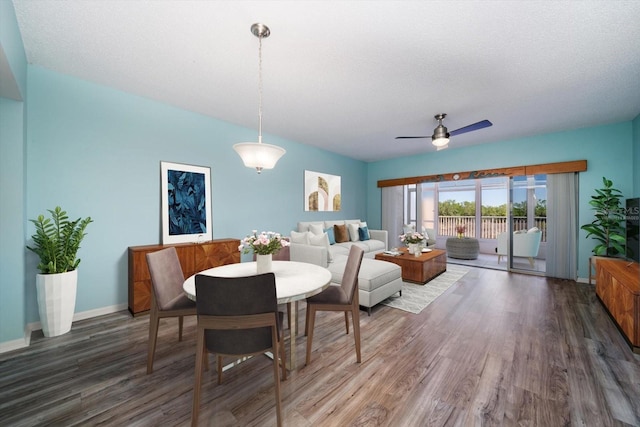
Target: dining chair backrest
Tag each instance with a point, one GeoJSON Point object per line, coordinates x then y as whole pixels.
{"type": "Point", "coordinates": [237, 296]}
{"type": "Point", "coordinates": [166, 275]}
{"type": "Point", "coordinates": [352, 268]}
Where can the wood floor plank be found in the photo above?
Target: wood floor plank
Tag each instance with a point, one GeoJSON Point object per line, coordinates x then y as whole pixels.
{"type": "Point", "coordinates": [496, 349]}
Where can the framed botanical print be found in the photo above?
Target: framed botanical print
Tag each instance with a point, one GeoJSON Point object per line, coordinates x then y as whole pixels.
{"type": "Point", "coordinates": [186, 203]}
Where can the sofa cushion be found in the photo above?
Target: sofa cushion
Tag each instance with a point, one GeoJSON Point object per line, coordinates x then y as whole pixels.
{"type": "Point", "coordinates": [331, 235]}
{"type": "Point", "coordinates": [340, 249]}
{"type": "Point", "coordinates": [363, 233]}
{"type": "Point", "coordinates": [353, 231]}
{"type": "Point", "coordinates": [373, 273]}
{"type": "Point", "coordinates": [316, 229]}
{"type": "Point", "coordinates": [297, 237]}
{"type": "Point", "coordinates": [342, 235]}
{"type": "Point", "coordinates": [323, 241]}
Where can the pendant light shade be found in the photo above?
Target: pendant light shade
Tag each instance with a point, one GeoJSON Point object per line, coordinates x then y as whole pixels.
{"type": "Point", "coordinates": [256, 154]}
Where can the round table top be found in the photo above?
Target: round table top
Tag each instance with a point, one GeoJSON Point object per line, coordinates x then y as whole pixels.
{"type": "Point", "coordinates": [294, 280]}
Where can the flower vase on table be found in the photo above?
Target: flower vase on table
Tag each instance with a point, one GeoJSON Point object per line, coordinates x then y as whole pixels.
{"type": "Point", "coordinates": [414, 242]}
{"type": "Point", "coordinates": [263, 245]}
{"type": "Point", "coordinates": [263, 263]}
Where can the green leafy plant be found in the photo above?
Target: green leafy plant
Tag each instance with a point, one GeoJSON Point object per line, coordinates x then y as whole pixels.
{"type": "Point", "coordinates": [607, 227]}
{"type": "Point", "coordinates": [57, 241]}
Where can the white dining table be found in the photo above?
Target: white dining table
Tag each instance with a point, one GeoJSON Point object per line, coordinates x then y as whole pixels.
{"type": "Point", "coordinates": [294, 281]}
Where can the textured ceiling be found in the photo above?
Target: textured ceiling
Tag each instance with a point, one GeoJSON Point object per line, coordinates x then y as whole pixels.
{"type": "Point", "coordinates": [349, 76]}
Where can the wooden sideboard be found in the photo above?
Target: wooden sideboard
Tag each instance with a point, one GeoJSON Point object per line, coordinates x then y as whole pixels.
{"type": "Point", "coordinates": [618, 288]}
{"type": "Point", "coordinates": [194, 257]}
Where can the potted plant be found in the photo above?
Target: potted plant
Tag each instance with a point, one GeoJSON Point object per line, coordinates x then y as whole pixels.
{"type": "Point", "coordinates": [56, 242]}
{"type": "Point", "coordinates": [607, 227]}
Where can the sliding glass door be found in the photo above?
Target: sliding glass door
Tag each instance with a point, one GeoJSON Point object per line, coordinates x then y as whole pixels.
{"type": "Point", "coordinates": [526, 237]}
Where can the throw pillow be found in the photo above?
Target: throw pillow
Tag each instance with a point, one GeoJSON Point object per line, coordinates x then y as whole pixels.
{"type": "Point", "coordinates": [316, 229]}
{"type": "Point", "coordinates": [363, 233]}
{"type": "Point", "coordinates": [342, 235]}
{"type": "Point", "coordinates": [297, 237]}
{"type": "Point", "coordinates": [330, 235]}
{"type": "Point", "coordinates": [533, 230]}
{"type": "Point", "coordinates": [353, 232]}
{"type": "Point", "coordinates": [322, 240]}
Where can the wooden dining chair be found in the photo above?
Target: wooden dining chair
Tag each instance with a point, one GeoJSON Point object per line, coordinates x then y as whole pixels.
{"type": "Point", "coordinates": [339, 298]}
{"type": "Point", "coordinates": [238, 316]}
{"type": "Point", "coordinates": [167, 297]}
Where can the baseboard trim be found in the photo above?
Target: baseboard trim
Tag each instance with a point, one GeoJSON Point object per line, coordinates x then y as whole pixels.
{"type": "Point", "coordinates": [36, 326]}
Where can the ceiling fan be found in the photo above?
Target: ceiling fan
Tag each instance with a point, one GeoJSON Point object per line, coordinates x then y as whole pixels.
{"type": "Point", "coordinates": [440, 137]}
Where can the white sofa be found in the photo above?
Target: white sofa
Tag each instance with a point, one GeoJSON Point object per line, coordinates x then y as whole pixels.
{"type": "Point", "coordinates": [525, 244]}
{"type": "Point", "coordinates": [377, 280]}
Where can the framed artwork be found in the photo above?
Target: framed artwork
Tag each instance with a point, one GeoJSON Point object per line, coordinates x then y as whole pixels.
{"type": "Point", "coordinates": [186, 203]}
{"type": "Point", "coordinates": [322, 192]}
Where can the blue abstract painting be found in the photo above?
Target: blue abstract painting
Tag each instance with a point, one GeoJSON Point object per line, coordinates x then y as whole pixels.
{"type": "Point", "coordinates": [186, 203]}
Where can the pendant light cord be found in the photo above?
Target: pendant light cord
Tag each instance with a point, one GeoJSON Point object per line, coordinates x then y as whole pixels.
{"type": "Point", "coordinates": [260, 90]}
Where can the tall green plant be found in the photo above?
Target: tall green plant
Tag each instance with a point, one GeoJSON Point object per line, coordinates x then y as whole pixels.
{"type": "Point", "coordinates": [607, 227]}
{"type": "Point", "coordinates": [57, 241]}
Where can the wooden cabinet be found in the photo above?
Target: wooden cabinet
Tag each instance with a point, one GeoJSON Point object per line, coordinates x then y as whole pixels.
{"type": "Point", "coordinates": [618, 287]}
{"type": "Point", "coordinates": [194, 257]}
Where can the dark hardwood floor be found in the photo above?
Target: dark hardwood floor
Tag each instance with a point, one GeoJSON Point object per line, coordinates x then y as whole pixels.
{"type": "Point", "coordinates": [496, 349]}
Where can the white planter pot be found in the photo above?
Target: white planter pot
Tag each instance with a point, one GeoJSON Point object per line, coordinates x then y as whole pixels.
{"type": "Point", "coordinates": [263, 263]}
{"type": "Point", "coordinates": [56, 301]}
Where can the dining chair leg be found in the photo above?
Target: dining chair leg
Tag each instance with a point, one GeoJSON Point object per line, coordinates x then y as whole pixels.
{"type": "Point", "coordinates": [198, 378]}
{"type": "Point", "coordinates": [311, 318]}
{"type": "Point", "coordinates": [306, 321]}
{"type": "Point", "coordinates": [180, 323]}
{"type": "Point", "coordinates": [276, 373]}
{"type": "Point", "coordinates": [219, 364]}
{"type": "Point", "coordinates": [355, 314]}
{"type": "Point", "coordinates": [154, 321]}
{"type": "Point", "coordinates": [346, 321]}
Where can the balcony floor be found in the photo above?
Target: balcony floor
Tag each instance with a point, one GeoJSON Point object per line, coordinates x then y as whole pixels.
{"type": "Point", "coordinates": [491, 261]}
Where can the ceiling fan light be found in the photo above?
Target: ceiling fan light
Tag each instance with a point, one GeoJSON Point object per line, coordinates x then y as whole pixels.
{"type": "Point", "coordinates": [440, 141]}
{"type": "Point", "coordinates": [440, 136]}
{"type": "Point", "coordinates": [258, 155]}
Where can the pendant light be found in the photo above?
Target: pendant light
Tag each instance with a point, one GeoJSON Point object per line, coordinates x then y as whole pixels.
{"type": "Point", "coordinates": [257, 154]}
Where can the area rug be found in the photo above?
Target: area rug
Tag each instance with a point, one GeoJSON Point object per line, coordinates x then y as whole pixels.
{"type": "Point", "coordinates": [416, 297]}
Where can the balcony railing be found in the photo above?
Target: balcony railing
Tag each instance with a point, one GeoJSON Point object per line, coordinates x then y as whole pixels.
{"type": "Point", "coordinates": [490, 226]}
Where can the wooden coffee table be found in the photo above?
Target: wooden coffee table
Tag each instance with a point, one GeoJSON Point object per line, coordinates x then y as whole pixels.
{"type": "Point", "coordinates": [418, 269]}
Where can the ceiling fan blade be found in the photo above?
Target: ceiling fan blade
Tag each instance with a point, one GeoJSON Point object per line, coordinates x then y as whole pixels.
{"type": "Point", "coordinates": [480, 125]}
{"type": "Point", "coordinates": [411, 137]}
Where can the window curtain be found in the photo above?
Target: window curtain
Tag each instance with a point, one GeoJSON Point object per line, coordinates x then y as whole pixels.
{"type": "Point", "coordinates": [562, 228]}
{"type": "Point", "coordinates": [392, 214]}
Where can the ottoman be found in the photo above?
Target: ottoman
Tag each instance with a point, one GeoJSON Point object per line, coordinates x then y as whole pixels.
{"type": "Point", "coordinates": [465, 248]}
{"type": "Point", "coordinates": [377, 280]}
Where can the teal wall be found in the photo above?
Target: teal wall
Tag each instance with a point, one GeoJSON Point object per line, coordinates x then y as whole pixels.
{"type": "Point", "coordinates": [609, 151]}
{"type": "Point", "coordinates": [12, 182]}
